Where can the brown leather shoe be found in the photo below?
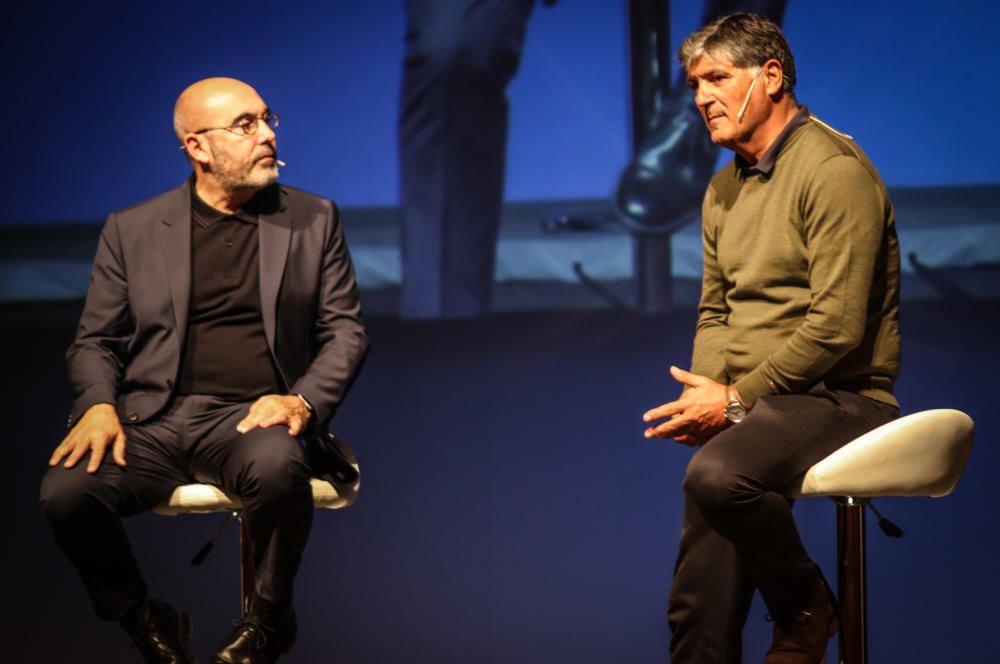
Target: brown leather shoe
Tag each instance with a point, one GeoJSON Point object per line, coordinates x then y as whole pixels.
{"type": "Point", "coordinates": [803, 640]}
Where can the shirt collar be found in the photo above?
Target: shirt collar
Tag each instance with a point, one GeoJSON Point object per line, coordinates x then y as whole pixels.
{"type": "Point", "coordinates": [765, 164]}
{"type": "Point", "coordinates": [206, 215]}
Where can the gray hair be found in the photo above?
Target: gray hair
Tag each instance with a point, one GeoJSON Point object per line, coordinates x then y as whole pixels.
{"type": "Point", "coordinates": [745, 40]}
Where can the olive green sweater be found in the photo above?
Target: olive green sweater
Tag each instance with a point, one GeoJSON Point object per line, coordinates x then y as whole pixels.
{"type": "Point", "coordinates": [801, 280]}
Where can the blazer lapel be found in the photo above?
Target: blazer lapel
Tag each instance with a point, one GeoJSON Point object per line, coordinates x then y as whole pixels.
{"type": "Point", "coordinates": [274, 237]}
{"type": "Point", "coordinates": [175, 242]}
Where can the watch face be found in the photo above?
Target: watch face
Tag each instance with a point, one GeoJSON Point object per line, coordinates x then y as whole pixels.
{"type": "Point", "coordinates": [735, 412]}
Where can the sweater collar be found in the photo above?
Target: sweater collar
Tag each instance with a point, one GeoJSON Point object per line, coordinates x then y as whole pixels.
{"type": "Point", "coordinates": [765, 164]}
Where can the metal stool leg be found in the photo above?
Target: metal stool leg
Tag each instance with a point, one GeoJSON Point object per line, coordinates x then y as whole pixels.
{"type": "Point", "coordinates": [851, 581]}
{"type": "Point", "coordinates": [246, 569]}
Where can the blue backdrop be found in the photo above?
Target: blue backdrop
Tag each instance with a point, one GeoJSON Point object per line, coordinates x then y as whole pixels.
{"type": "Point", "coordinates": [91, 85]}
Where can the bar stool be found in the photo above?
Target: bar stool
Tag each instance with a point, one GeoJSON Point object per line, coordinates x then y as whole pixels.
{"type": "Point", "coordinates": [922, 454]}
{"type": "Point", "coordinates": [207, 498]}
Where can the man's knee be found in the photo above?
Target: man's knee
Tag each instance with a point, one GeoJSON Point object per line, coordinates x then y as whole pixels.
{"type": "Point", "coordinates": [67, 494]}
{"type": "Point", "coordinates": [716, 485]}
{"type": "Point", "coordinates": [275, 465]}
{"type": "Point", "coordinates": [706, 480]}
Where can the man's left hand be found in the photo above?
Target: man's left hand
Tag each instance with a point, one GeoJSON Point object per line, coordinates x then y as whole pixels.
{"type": "Point", "coordinates": [696, 416]}
{"type": "Point", "coordinates": [274, 409]}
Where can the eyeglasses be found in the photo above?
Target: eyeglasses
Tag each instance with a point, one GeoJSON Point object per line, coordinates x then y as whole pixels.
{"type": "Point", "coordinates": [247, 126]}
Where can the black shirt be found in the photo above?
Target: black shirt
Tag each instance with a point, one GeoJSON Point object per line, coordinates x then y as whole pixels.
{"type": "Point", "coordinates": [226, 352]}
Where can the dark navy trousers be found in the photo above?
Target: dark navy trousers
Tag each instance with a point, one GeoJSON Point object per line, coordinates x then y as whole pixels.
{"type": "Point", "coordinates": [194, 439]}
{"type": "Point", "coordinates": [739, 533]}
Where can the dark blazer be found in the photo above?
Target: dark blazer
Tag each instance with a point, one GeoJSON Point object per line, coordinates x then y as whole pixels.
{"type": "Point", "coordinates": [128, 345]}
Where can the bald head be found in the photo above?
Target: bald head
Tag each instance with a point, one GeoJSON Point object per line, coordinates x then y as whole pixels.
{"type": "Point", "coordinates": [227, 133]}
{"type": "Point", "coordinates": [210, 103]}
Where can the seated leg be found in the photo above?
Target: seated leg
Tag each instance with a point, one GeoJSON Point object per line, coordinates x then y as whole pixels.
{"type": "Point", "coordinates": [738, 477]}
{"type": "Point", "coordinates": [268, 469]}
{"type": "Point", "coordinates": [83, 510]}
{"type": "Point", "coordinates": [85, 513]}
{"type": "Point", "coordinates": [709, 597]}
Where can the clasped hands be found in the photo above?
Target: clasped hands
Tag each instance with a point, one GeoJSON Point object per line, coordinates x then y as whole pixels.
{"type": "Point", "coordinates": [696, 416]}
{"type": "Point", "coordinates": [99, 429]}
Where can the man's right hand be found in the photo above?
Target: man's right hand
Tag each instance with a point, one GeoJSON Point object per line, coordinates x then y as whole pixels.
{"type": "Point", "coordinates": [97, 429]}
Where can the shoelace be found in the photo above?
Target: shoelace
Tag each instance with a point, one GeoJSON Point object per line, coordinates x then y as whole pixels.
{"type": "Point", "coordinates": [255, 629]}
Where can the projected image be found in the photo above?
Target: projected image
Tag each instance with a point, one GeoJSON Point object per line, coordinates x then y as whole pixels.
{"type": "Point", "coordinates": [503, 156]}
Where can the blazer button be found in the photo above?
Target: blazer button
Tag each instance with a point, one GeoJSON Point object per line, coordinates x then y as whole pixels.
{"type": "Point", "coordinates": [132, 417]}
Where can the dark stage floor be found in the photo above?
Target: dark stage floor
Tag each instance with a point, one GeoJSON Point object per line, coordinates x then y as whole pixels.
{"type": "Point", "coordinates": [511, 510]}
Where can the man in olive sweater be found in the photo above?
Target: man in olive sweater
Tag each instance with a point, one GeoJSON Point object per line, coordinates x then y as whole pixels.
{"type": "Point", "coordinates": [796, 348]}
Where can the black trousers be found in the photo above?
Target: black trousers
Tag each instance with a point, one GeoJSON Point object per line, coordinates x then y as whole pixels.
{"type": "Point", "coordinates": [194, 439]}
{"type": "Point", "coordinates": [460, 56]}
{"type": "Point", "coordinates": [739, 533]}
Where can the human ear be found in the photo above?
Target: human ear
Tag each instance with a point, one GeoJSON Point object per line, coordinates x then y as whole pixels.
{"type": "Point", "coordinates": [774, 77]}
{"type": "Point", "coordinates": [197, 148]}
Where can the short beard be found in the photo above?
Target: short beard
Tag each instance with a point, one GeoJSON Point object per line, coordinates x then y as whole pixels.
{"type": "Point", "coordinates": [253, 180]}
{"type": "Point", "coordinates": [232, 179]}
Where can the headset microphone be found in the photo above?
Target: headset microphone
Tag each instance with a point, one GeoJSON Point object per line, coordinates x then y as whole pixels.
{"type": "Point", "coordinates": [743, 109]}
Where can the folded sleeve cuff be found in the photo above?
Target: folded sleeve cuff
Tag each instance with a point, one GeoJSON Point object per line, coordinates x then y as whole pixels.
{"type": "Point", "coordinates": [753, 386]}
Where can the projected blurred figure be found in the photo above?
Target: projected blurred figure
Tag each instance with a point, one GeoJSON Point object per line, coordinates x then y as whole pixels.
{"type": "Point", "coordinates": [796, 348]}
{"type": "Point", "coordinates": [460, 56]}
{"type": "Point", "coordinates": [662, 186]}
{"type": "Point", "coordinates": [221, 331]}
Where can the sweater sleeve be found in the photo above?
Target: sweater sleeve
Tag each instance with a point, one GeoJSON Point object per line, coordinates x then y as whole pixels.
{"type": "Point", "coordinates": [708, 356]}
{"type": "Point", "coordinates": [843, 213]}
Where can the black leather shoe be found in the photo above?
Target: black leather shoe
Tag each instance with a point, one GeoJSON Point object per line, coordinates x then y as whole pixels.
{"type": "Point", "coordinates": [662, 187]}
{"type": "Point", "coordinates": [261, 638]}
{"type": "Point", "coordinates": [161, 633]}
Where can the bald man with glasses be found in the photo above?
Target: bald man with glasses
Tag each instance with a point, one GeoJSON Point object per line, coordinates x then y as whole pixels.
{"type": "Point", "coordinates": [221, 331]}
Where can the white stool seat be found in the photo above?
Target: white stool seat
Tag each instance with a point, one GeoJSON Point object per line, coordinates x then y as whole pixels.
{"type": "Point", "coordinates": [206, 498]}
{"type": "Point", "coordinates": [918, 455]}
{"type": "Point", "coordinates": [922, 454]}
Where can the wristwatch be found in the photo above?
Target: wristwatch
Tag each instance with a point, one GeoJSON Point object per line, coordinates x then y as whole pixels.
{"type": "Point", "coordinates": [735, 410]}
{"type": "Point", "coordinates": [305, 402]}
